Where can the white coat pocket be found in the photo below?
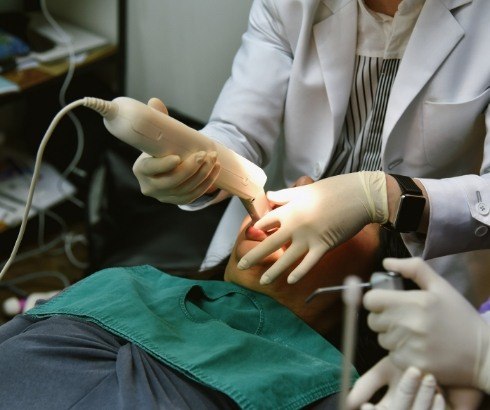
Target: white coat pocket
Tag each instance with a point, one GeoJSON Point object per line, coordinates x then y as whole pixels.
{"type": "Point", "coordinates": [454, 132]}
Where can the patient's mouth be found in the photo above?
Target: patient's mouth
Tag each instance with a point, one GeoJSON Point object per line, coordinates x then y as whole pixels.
{"type": "Point", "coordinates": [254, 234]}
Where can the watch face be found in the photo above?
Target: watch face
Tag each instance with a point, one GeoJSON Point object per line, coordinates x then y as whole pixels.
{"type": "Point", "coordinates": [409, 213]}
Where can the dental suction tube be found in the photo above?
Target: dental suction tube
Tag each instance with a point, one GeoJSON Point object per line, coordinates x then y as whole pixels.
{"type": "Point", "coordinates": [159, 135]}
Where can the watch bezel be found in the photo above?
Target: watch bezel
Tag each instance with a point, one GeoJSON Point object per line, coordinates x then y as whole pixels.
{"type": "Point", "coordinates": [409, 213]}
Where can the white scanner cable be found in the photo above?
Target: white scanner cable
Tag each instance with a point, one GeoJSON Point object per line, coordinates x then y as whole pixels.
{"type": "Point", "coordinates": [158, 134]}
{"type": "Point", "coordinates": [102, 107]}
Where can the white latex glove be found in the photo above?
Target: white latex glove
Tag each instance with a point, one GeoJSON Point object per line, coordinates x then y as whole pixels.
{"type": "Point", "coordinates": [434, 329]}
{"type": "Point", "coordinates": [407, 390]}
{"type": "Point", "coordinates": [317, 218]}
{"type": "Point", "coordinates": [171, 180]}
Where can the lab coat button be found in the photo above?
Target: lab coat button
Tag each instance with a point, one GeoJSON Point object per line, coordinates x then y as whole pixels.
{"type": "Point", "coordinates": [481, 231]}
{"type": "Point", "coordinates": [394, 163]}
{"type": "Point", "coordinates": [482, 208]}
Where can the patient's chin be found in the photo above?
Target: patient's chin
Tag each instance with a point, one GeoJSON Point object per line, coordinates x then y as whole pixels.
{"type": "Point", "coordinates": [248, 278]}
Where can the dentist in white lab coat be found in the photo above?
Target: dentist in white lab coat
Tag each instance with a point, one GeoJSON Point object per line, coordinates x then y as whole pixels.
{"type": "Point", "coordinates": [307, 70]}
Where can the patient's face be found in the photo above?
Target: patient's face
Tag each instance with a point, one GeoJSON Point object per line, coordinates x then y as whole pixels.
{"type": "Point", "coordinates": [358, 256]}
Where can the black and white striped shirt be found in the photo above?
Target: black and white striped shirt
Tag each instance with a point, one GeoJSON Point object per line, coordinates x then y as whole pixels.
{"type": "Point", "coordinates": [381, 41]}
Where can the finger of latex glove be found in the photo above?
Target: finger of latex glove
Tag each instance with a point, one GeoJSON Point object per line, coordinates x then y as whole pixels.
{"type": "Point", "coordinates": [410, 392]}
{"type": "Point", "coordinates": [439, 403]}
{"type": "Point", "coordinates": [158, 105]}
{"type": "Point", "coordinates": [435, 329]}
{"type": "Point", "coordinates": [427, 396]}
{"type": "Point", "coordinates": [168, 179]}
{"type": "Point", "coordinates": [409, 389]}
{"type": "Point", "coordinates": [406, 390]}
{"type": "Point", "coordinates": [171, 180]}
{"type": "Point", "coordinates": [370, 382]}
{"type": "Point", "coordinates": [316, 218]}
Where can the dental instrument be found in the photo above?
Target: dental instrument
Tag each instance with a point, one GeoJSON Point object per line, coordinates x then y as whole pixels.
{"type": "Point", "coordinates": [158, 135]}
{"type": "Point", "coordinates": [378, 280]}
{"type": "Point", "coordinates": [351, 296]}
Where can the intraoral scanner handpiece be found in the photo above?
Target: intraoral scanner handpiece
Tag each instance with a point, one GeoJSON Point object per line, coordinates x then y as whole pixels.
{"type": "Point", "coordinates": [378, 280]}
{"type": "Point", "coordinates": [157, 134]}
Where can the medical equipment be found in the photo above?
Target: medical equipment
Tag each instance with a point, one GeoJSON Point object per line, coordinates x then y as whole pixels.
{"type": "Point", "coordinates": [158, 135]}
{"type": "Point", "coordinates": [378, 280]}
{"type": "Point", "coordinates": [351, 296]}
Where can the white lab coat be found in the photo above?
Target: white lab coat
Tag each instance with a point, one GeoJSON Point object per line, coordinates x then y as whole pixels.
{"type": "Point", "coordinates": [293, 74]}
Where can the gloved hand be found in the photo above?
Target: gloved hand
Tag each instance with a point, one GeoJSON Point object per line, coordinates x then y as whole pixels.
{"type": "Point", "coordinates": [434, 329]}
{"type": "Point", "coordinates": [171, 180]}
{"type": "Point", "coordinates": [406, 390]}
{"type": "Point", "coordinates": [317, 218]}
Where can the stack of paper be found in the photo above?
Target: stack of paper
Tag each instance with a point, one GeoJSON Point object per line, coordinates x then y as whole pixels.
{"type": "Point", "coordinates": [77, 38]}
{"type": "Point", "coordinates": [15, 179]}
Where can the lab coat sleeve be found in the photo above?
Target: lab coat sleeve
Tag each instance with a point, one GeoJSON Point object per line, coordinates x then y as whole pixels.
{"type": "Point", "coordinates": [460, 210]}
{"type": "Point", "coordinates": [248, 114]}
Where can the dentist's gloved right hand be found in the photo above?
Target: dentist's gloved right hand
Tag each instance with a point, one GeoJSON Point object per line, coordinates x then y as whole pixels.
{"type": "Point", "coordinates": [171, 180]}
{"type": "Point", "coordinates": [434, 329]}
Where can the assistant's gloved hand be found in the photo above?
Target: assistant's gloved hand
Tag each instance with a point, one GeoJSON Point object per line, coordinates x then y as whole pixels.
{"type": "Point", "coordinates": [317, 218]}
{"type": "Point", "coordinates": [171, 180]}
{"type": "Point", "coordinates": [434, 329]}
{"type": "Point", "coordinates": [407, 390]}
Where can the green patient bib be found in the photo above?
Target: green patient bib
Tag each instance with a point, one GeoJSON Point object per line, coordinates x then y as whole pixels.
{"type": "Point", "coordinates": [239, 342]}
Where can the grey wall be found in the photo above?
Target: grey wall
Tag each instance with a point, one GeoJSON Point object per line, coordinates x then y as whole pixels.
{"type": "Point", "coordinates": [181, 50]}
{"type": "Point", "coordinates": [99, 16]}
{"type": "Point", "coordinates": [178, 50]}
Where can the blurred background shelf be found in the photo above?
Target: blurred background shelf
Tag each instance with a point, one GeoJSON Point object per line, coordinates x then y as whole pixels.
{"type": "Point", "coordinates": [25, 115]}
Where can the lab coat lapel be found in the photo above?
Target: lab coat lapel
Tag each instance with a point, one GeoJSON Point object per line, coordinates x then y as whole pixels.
{"type": "Point", "coordinates": [435, 35]}
{"type": "Point", "coordinates": [335, 39]}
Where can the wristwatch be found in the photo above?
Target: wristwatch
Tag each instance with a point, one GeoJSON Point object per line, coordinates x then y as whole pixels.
{"type": "Point", "coordinates": [410, 208]}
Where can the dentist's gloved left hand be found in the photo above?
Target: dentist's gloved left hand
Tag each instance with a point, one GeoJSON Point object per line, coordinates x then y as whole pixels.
{"type": "Point", "coordinates": [434, 329]}
{"type": "Point", "coordinates": [316, 218]}
{"type": "Point", "coordinates": [408, 390]}
{"type": "Point", "coordinates": [174, 180]}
